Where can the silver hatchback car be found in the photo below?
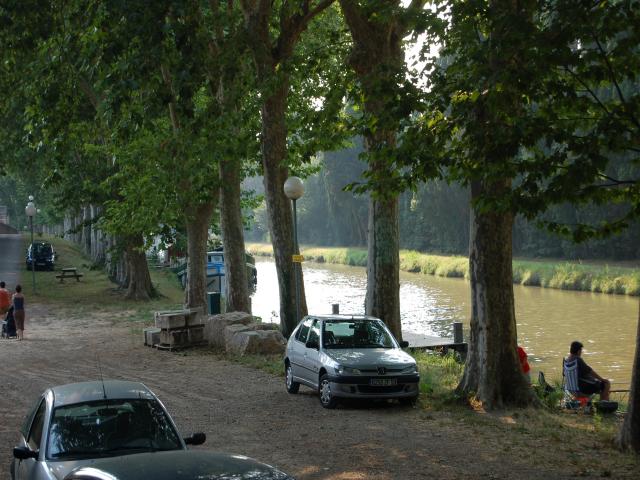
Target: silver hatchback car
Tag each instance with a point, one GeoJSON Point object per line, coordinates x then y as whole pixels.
{"type": "Point", "coordinates": [345, 356]}
{"type": "Point", "coordinates": [72, 425]}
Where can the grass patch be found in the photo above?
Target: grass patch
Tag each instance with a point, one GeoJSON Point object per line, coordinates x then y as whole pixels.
{"type": "Point", "coordinates": [561, 275]}
{"type": "Point", "coordinates": [271, 364]}
{"type": "Point", "coordinates": [95, 293]}
{"type": "Point", "coordinates": [439, 376]}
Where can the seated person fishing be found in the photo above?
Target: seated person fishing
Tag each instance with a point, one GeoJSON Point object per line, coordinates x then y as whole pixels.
{"type": "Point", "coordinates": [580, 378]}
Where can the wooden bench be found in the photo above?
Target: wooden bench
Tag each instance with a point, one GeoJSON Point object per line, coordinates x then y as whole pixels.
{"type": "Point", "coordinates": [69, 273]}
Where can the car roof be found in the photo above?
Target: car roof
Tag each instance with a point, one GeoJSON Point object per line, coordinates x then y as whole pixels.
{"type": "Point", "coordinates": [99, 390]}
{"type": "Point", "coordinates": [344, 317]}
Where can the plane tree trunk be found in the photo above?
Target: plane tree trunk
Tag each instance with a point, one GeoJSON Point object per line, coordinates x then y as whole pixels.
{"type": "Point", "coordinates": [378, 60]}
{"type": "Point", "coordinates": [139, 280]}
{"type": "Point", "coordinates": [629, 435]}
{"type": "Point", "coordinates": [271, 52]}
{"type": "Point", "coordinates": [274, 134]}
{"type": "Point", "coordinates": [233, 238]}
{"type": "Point", "coordinates": [492, 371]}
{"type": "Point", "coordinates": [197, 235]}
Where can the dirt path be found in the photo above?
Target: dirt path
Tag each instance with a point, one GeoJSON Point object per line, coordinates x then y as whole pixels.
{"type": "Point", "coordinates": [248, 412]}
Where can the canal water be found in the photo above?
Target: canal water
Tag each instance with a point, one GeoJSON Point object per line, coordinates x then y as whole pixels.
{"type": "Point", "coordinates": [548, 320]}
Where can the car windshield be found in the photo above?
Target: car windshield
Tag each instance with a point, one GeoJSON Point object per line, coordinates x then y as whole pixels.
{"type": "Point", "coordinates": [110, 427]}
{"type": "Point", "coordinates": [356, 334]}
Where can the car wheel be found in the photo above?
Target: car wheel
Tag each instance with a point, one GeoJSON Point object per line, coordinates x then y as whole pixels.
{"type": "Point", "coordinates": [292, 387]}
{"type": "Point", "coordinates": [327, 400]}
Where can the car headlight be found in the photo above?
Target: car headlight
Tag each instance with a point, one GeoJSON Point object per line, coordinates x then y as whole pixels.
{"type": "Point", "coordinates": [411, 369]}
{"type": "Point", "coordinates": [342, 370]}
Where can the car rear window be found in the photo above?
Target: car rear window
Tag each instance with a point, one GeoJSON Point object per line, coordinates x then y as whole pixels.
{"type": "Point", "coordinates": [42, 249]}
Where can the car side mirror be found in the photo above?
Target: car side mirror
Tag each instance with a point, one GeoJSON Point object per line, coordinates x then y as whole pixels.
{"type": "Point", "coordinates": [313, 344]}
{"type": "Point", "coordinates": [196, 439]}
{"type": "Point", "coordinates": [23, 453]}
{"type": "Point", "coordinates": [404, 344]}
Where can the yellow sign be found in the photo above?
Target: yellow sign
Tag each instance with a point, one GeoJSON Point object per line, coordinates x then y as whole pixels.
{"type": "Point", "coordinates": [297, 258]}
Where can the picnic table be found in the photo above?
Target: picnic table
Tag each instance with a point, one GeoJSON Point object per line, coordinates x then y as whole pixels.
{"type": "Point", "coordinates": [70, 272]}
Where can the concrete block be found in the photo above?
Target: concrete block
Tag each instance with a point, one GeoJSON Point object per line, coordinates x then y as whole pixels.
{"type": "Point", "coordinates": [195, 319]}
{"type": "Point", "coordinates": [215, 326]}
{"type": "Point", "coordinates": [169, 321]}
{"type": "Point", "coordinates": [196, 334]}
{"type": "Point", "coordinates": [247, 341]}
{"type": "Point", "coordinates": [174, 338]}
{"type": "Point", "coordinates": [151, 336]}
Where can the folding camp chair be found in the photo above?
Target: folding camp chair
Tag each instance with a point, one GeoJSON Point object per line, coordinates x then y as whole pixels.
{"type": "Point", "coordinates": [573, 399]}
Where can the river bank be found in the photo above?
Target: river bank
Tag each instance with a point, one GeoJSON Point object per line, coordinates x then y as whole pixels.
{"type": "Point", "coordinates": [562, 275]}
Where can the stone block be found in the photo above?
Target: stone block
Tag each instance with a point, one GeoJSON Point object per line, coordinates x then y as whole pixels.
{"type": "Point", "coordinates": [174, 338]}
{"type": "Point", "coordinates": [231, 331]}
{"type": "Point", "coordinates": [215, 325]}
{"type": "Point", "coordinates": [248, 341]}
{"type": "Point", "coordinates": [195, 319]}
{"type": "Point", "coordinates": [169, 321]}
{"type": "Point", "coordinates": [265, 326]}
{"type": "Point", "coordinates": [196, 335]}
{"type": "Point", "coordinates": [151, 336]}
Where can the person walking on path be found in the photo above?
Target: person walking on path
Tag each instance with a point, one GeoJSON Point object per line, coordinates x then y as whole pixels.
{"type": "Point", "coordinates": [18, 311]}
{"type": "Point", "coordinates": [5, 299]}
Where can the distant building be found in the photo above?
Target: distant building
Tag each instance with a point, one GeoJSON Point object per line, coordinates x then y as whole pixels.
{"type": "Point", "coordinates": [4, 215]}
{"type": "Point", "coordinates": [4, 222]}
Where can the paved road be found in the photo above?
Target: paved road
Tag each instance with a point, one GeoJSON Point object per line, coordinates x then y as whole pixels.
{"type": "Point", "coordinates": [11, 257]}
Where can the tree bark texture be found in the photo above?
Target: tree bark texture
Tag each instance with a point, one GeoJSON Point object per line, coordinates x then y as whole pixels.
{"type": "Point", "coordinates": [270, 54]}
{"type": "Point", "coordinates": [197, 237]}
{"type": "Point", "coordinates": [139, 286]}
{"type": "Point", "coordinates": [86, 229]}
{"type": "Point", "coordinates": [235, 268]}
{"type": "Point", "coordinates": [77, 236]}
{"type": "Point", "coordinates": [382, 299]}
{"type": "Point", "coordinates": [492, 370]}
{"type": "Point", "coordinates": [377, 58]}
{"type": "Point", "coordinates": [274, 134]}
{"type": "Point", "coordinates": [629, 435]}
{"type": "Point", "coordinates": [98, 239]}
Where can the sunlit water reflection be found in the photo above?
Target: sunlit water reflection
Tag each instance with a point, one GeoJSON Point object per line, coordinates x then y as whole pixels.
{"type": "Point", "coordinates": [548, 320]}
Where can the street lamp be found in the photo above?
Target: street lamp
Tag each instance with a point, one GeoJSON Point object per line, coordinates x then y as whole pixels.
{"type": "Point", "coordinates": [30, 210]}
{"type": "Point", "coordinates": [294, 189]}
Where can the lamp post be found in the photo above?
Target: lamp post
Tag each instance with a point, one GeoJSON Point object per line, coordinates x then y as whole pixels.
{"type": "Point", "coordinates": [294, 189]}
{"type": "Point", "coordinates": [30, 210]}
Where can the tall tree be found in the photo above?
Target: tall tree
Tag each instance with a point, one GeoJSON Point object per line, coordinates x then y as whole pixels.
{"type": "Point", "coordinates": [230, 76]}
{"type": "Point", "coordinates": [272, 50]}
{"type": "Point", "coordinates": [51, 49]}
{"type": "Point", "coordinates": [594, 116]}
{"type": "Point", "coordinates": [378, 29]}
{"type": "Point", "coordinates": [520, 108]}
{"type": "Point", "coordinates": [478, 115]}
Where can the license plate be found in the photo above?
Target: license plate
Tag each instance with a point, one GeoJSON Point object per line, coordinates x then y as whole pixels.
{"type": "Point", "coordinates": [383, 382]}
